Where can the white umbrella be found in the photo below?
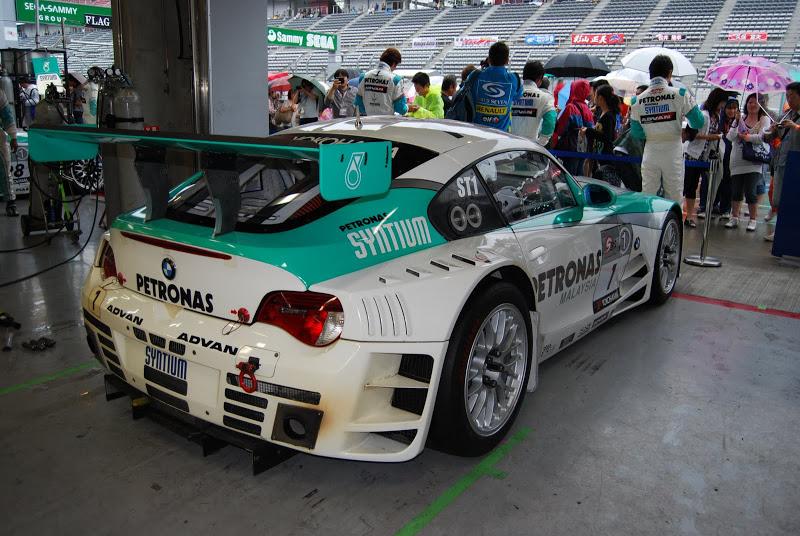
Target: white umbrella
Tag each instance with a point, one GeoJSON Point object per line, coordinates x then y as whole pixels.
{"type": "Point", "coordinates": [626, 80]}
{"type": "Point", "coordinates": [640, 60]}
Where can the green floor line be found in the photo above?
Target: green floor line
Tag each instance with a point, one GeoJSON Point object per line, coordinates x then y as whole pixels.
{"type": "Point", "coordinates": [483, 468]}
{"type": "Point", "coordinates": [37, 381]}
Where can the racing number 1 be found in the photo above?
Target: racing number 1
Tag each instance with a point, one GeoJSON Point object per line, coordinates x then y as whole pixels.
{"type": "Point", "coordinates": [97, 297]}
{"type": "Point", "coordinates": [611, 277]}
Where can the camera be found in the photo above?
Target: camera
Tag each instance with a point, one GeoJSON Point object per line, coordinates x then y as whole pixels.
{"type": "Point", "coordinates": [340, 79]}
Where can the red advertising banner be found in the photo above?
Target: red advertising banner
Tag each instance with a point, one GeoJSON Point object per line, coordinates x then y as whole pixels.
{"type": "Point", "coordinates": [747, 36]}
{"type": "Point", "coordinates": [598, 39]}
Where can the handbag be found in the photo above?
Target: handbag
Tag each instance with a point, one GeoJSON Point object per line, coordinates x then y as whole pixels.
{"type": "Point", "coordinates": [284, 116]}
{"type": "Point", "coordinates": [757, 152]}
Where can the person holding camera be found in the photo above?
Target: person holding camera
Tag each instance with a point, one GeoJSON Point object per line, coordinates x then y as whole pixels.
{"type": "Point", "coordinates": [305, 101]}
{"type": "Point", "coordinates": [341, 96]}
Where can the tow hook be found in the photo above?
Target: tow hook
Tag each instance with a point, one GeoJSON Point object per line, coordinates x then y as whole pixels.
{"type": "Point", "coordinates": [248, 369]}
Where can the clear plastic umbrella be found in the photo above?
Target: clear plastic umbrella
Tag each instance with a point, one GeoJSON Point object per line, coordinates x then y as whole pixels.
{"type": "Point", "coordinates": [640, 60]}
{"type": "Point", "coordinates": [627, 80]}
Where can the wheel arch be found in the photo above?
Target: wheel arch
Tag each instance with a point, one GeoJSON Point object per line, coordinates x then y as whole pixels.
{"type": "Point", "coordinates": [514, 275]}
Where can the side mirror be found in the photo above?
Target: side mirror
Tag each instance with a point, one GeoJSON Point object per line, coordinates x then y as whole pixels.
{"type": "Point", "coordinates": [597, 195]}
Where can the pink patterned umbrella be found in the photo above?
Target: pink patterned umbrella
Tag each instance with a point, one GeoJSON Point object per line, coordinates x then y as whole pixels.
{"type": "Point", "coordinates": [748, 73]}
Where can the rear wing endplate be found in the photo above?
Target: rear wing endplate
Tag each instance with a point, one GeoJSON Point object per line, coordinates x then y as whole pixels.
{"type": "Point", "coordinates": [346, 171]}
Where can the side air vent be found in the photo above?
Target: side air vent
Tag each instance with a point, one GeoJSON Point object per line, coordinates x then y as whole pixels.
{"type": "Point", "coordinates": [158, 341]}
{"type": "Point", "coordinates": [167, 398]}
{"type": "Point", "coordinates": [244, 398]}
{"type": "Point", "coordinates": [244, 412]}
{"type": "Point", "coordinates": [281, 391]}
{"type": "Point", "coordinates": [106, 342]}
{"type": "Point", "coordinates": [140, 334]}
{"type": "Point", "coordinates": [111, 356]}
{"type": "Point", "coordinates": [172, 383]}
{"type": "Point", "coordinates": [240, 425]}
{"type": "Point", "coordinates": [405, 437]}
{"type": "Point", "coordinates": [386, 316]}
{"type": "Point", "coordinates": [416, 367]}
{"type": "Point", "coordinates": [88, 317]}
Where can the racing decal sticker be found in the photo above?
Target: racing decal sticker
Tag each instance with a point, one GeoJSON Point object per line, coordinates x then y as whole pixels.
{"type": "Point", "coordinates": [617, 244]}
{"type": "Point", "coordinates": [390, 236]}
{"type": "Point", "coordinates": [491, 110]}
{"type": "Point", "coordinates": [655, 109]}
{"type": "Point", "coordinates": [570, 280]}
{"type": "Point", "coordinates": [353, 177]}
{"type": "Point", "coordinates": [467, 186]}
{"type": "Point", "coordinates": [185, 297]}
{"type": "Point", "coordinates": [600, 319]}
{"type": "Point", "coordinates": [547, 349]}
{"type": "Point", "coordinates": [116, 311]}
{"type": "Point", "coordinates": [363, 222]}
{"type": "Point", "coordinates": [96, 298]}
{"type": "Point", "coordinates": [658, 118]}
{"type": "Point", "coordinates": [566, 340]}
{"type": "Point", "coordinates": [165, 362]}
{"type": "Point", "coordinates": [208, 343]}
{"type": "Point", "coordinates": [584, 330]}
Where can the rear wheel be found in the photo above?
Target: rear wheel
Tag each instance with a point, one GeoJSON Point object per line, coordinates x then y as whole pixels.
{"type": "Point", "coordinates": [485, 372]}
{"type": "Point", "coordinates": [667, 262]}
{"type": "Point", "coordinates": [87, 174]}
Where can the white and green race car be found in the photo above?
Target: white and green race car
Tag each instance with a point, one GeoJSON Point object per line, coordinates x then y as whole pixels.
{"type": "Point", "coordinates": [359, 289]}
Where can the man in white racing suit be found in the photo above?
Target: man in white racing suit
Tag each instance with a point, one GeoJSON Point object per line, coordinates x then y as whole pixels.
{"type": "Point", "coordinates": [657, 116]}
{"type": "Point", "coordinates": [534, 114]}
{"type": "Point", "coordinates": [380, 92]}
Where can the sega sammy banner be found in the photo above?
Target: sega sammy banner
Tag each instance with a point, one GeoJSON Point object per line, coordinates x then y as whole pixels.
{"type": "Point", "coordinates": [472, 41]}
{"type": "Point", "coordinates": [68, 13]}
{"type": "Point", "coordinates": [547, 39]}
{"type": "Point", "coordinates": [300, 38]}
{"type": "Point", "coordinates": [598, 39]}
{"type": "Point", "coordinates": [747, 36]}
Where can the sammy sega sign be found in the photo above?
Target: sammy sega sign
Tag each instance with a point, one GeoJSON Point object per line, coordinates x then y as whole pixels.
{"type": "Point", "coordinates": [300, 38]}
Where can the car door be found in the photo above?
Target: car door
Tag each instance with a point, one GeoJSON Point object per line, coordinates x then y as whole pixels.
{"type": "Point", "coordinates": [561, 238]}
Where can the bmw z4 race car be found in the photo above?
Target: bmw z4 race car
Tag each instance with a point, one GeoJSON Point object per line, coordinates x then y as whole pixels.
{"type": "Point", "coordinates": [359, 289]}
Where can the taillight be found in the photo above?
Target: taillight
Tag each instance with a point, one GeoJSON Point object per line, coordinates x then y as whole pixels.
{"type": "Point", "coordinates": [107, 263]}
{"type": "Point", "coordinates": [312, 318]}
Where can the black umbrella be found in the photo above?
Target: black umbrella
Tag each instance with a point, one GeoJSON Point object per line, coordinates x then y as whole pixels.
{"type": "Point", "coordinates": [576, 65]}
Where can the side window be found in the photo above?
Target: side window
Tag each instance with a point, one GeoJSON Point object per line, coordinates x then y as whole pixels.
{"type": "Point", "coordinates": [526, 184]}
{"type": "Point", "coordinates": [463, 208]}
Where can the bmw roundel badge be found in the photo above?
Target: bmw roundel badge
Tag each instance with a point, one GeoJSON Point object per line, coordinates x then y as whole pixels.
{"type": "Point", "coordinates": [168, 268]}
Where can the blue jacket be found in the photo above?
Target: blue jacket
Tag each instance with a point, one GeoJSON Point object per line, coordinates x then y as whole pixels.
{"type": "Point", "coordinates": [492, 95]}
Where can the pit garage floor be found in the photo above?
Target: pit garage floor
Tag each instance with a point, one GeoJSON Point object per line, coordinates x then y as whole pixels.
{"type": "Point", "coordinates": [679, 419]}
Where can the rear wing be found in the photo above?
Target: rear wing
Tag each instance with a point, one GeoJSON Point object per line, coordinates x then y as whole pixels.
{"type": "Point", "coordinates": [346, 171]}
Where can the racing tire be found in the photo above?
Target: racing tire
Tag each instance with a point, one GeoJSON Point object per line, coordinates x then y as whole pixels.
{"type": "Point", "coordinates": [667, 261]}
{"type": "Point", "coordinates": [485, 372]}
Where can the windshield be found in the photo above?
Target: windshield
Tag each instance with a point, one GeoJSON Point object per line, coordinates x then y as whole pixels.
{"type": "Point", "coordinates": [277, 194]}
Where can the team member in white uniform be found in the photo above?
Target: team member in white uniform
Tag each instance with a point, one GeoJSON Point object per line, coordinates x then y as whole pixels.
{"type": "Point", "coordinates": [657, 116]}
{"type": "Point", "coordinates": [8, 132]}
{"type": "Point", "coordinates": [379, 91]}
{"type": "Point", "coordinates": [534, 114]}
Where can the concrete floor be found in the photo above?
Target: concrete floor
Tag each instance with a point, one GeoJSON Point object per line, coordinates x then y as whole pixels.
{"type": "Point", "coordinates": [691, 429]}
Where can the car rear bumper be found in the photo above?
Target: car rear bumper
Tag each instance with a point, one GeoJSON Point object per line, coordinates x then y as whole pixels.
{"type": "Point", "coordinates": [353, 400]}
